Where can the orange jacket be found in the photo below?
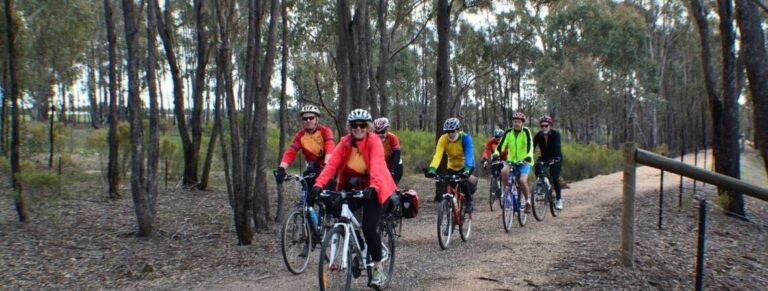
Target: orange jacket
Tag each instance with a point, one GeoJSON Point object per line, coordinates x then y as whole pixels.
{"type": "Point", "coordinates": [314, 150]}
{"type": "Point", "coordinates": [373, 154]}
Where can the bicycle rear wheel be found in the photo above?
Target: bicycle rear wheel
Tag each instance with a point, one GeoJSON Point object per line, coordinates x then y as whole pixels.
{"type": "Point", "coordinates": [522, 217]}
{"type": "Point", "coordinates": [388, 240]}
{"type": "Point", "coordinates": [508, 208]}
{"type": "Point", "coordinates": [444, 223]}
{"type": "Point", "coordinates": [331, 274]}
{"type": "Point", "coordinates": [295, 241]}
{"type": "Point", "coordinates": [539, 200]}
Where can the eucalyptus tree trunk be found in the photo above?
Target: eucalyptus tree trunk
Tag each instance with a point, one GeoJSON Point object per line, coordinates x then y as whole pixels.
{"type": "Point", "coordinates": [343, 52]}
{"type": "Point", "coordinates": [18, 200]}
{"type": "Point", "coordinates": [92, 92]}
{"type": "Point", "coordinates": [153, 151]}
{"type": "Point", "coordinates": [724, 109]}
{"type": "Point", "coordinates": [143, 204]}
{"type": "Point", "coordinates": [753, 43]}
{"type": "Point", "coordinates": [283, 97]}
{"type": "Point", "coordinates": [443, 77]}
{"type": "Point", "coordinates": [113, 169]}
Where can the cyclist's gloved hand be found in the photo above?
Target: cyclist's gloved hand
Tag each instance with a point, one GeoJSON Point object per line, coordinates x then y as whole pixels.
{"type": "Point", "coordinates": [464, 175]}
{"type": "Point", "coordinates": [314, 193]}
{"type": "Point", "coordinates": [279, 175]}
{"type": "Point", "coordinates": [430, 174]}
{"type": "Point", "coordinates": [369, 192]}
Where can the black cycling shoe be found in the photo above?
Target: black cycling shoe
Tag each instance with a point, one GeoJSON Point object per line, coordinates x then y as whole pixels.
{"type": "Point", "coordinates": [470, 207]}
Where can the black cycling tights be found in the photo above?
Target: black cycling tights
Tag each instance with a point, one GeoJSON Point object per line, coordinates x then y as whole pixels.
{"type": "Point", "coordinates": [371, 215]}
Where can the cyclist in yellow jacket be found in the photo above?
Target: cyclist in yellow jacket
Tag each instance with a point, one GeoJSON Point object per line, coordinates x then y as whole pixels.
{"type": "Point", "coordinates": [518, 142]}
{"type": "Point", "coordinates": [457, 145]}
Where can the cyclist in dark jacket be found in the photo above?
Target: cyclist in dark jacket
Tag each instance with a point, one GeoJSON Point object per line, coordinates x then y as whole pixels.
{"type": "Point", "coordinates": [548, 140]}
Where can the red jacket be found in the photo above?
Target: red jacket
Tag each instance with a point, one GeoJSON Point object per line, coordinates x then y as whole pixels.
{"type": "Point", "coordinates": [490, 146]}
{"type": "Point", "coordinates": [313, 149]}
{"type": "Point", "coordinates": [373, 154]}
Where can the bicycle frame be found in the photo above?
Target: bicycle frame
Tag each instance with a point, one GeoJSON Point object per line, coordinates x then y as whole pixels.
{"type": "Point", "coordinates": [452, 190]}
{"type": "Point", "coordinates": [349, 222]}
{"type": "Point", "coordinates": [512, 180]}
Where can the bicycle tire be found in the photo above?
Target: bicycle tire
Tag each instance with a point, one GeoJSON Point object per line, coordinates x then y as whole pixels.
{"type": "Point", "coordinates": [522, 217]}
{"type": "Point", "coordinates": [493, 191]}
{"type": "Point", "coordinates": [465, 228]}
{"type": "Point", "coordinates": [444, 216]}
{"type": "Point", "coordinates": [327, 269]}
{"type": "Point", "coordinates": [388, 241]}
{"type": "Point", "coordinates": [294, 237]}
{"type": "Point", "coordinates": [539, 201]}
{"type": "Point", "coordinates": [508, 209]}
{"type": "Point", "coordinates": [555, 212]}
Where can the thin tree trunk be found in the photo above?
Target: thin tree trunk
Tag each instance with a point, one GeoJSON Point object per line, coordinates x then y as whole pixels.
{"type": "Point", "coordinates": [51, 138]}
{"type": "Point", "coordinates": [443, 77]}
{"type": "Point", "coordinates": [92, 93]}
{"type": "Point", "coordinates": [192, 153]}
{"type": "Point", "coordinates": [753, 43]}
{"type": "Point", "coordinates": [113, 169]}
{"type": "Point", "coordinates": [14, 89]}
{"type": "Point", "coordinates": [261, 209]}
{"type": "Point", "coordinates": [283, 101]}
{"type": "Point", "coordinates": [165, 31]}
{"type": "Point", "coordinates": [204, 177]}
{"type": "Point", "coordinates": [343, 52]}
{"type": "Point", "coordinates": [383, 73]}
{"type": "Point", "coordinates": [141, 201]}
{"type": "Point", "coordinates": [153, 151]}
{"type": "Point", "coordinates": [239, 191]}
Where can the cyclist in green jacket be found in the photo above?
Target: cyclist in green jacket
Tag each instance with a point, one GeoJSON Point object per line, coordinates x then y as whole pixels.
{"type": "Point", "coordinates": [518, 142]}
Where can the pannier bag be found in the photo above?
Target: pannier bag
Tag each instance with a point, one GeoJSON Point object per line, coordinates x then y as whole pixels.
{"type": "Point", "coordinates": [410, 203]}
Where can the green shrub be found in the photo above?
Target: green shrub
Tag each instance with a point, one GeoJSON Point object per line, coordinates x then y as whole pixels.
{"type": "Point", "coordinates": [586, 161]}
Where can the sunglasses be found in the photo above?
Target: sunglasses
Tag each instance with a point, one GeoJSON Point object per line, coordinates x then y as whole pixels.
{"type": "Point", "coordinates": [308, 118]}
{"type": "Point", "coordinates": [383, 132]}
{"type": "Point", "coordinates": [450, 131]}
{"type": "Point", "coordinates": [358, 125]}
{"type": "Point", "coordinates": [545, 125]}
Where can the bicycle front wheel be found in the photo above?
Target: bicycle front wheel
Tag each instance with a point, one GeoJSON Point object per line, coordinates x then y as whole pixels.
{"type": "Point", "coordinates": [444, 223]}
{"type": "Point", "coordinates": [539, 200]}
{"type": "Point", "coordinates": [522, 216]}
{"type": "Point", "coordinates": [465, 228]}
{"type": "Point", "coordinates": [295, 240]}
{"type": "Point", "coordinates": [333, 273]}
{"type": "Point", "coordinates": [493, 193]}
{"type": "Point", "coordinates": [551, 200]}
{"type": "Point", "coordinates": [508, 210]}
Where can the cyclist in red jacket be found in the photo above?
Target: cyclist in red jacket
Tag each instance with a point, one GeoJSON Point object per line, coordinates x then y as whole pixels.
{"type": "Point", "coordinates": [491, 145]}
{"type": "Point", "coordinates": [391, 145]}
{"type": "Point", "coordinates": [315, 142]}
{"type": "Point", "coordinates": [359, 157]}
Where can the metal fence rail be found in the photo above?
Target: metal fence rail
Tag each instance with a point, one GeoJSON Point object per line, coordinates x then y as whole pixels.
{"type": "Point", "coordinates": [634, 156]}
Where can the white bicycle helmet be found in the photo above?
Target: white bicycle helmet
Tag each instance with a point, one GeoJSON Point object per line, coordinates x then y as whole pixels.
{"type": "Point", "coordinates": [451, 124]}
{"type": "Point", "coordinates": [359, 115]}
{"type": "Point", "coordinates": [380, 124]}
{"type": "Point", "coordinates": [498, 132]}
{"type": "Point", "coordinates": [310, 109]}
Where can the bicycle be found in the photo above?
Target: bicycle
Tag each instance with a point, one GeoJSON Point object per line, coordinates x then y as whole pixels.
{"type": "Point", "coordinates": [452, 211]}
{"type": "Point", "coordinates": [512, 199]}
{"type": "Point", "coordinates": [343, 247]}
{"type": "Point", "coordinates": [542, 193]}
{"type": "Point", "coordinates": [302, 229]}
{"type": "Point", "coordinates": [495, 189]}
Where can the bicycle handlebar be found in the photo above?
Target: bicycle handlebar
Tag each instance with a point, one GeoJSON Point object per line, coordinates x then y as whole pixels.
{"type": "Point", "coordinates": [358, 194]}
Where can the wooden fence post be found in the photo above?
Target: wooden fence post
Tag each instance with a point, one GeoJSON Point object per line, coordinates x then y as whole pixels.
{"type": "Point", "coordinates": [628, 217]}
